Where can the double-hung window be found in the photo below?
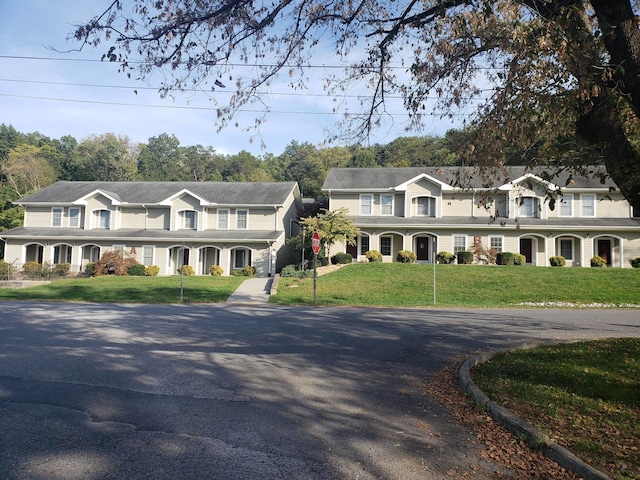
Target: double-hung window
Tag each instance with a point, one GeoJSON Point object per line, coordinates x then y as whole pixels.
{"type": "Point", "coordinates": [425, 207]}
{"type": "Point", "coordinates": [527, 207]}
{"type": "Point", "coordinates": [242, 219]}
{"type": "Point", "coordinates": [189, 219]}
{"type": "Point", "coordinates": [566, 248]}
{"type": "Point", "coordinates": [56, 217]}
{"type": "Point", "coordinates": [366, 204]}
{"type": "Point", "coordinates": [495, 243]}
{"type": "Point", "coordinates": [147, 255]}
{"type": "Point", "coordinates": [459, 243]}
{"type": "Point", "coordinates": [386, 204]}
{"type": "Point", "coordinates": [385, 245]}
{"type": "Point", "coordinates": [223, 219]}
{"type": "Point", "coordinates": [364, 244]}
{"type": "Point", "coordinates": [74, 217]}
{"type": "Point", "coordinates": [103, 219]}
{"type": "Point", "coordinates": [588, 205]}
{"type": "Point", "coordinates": [566, 206]}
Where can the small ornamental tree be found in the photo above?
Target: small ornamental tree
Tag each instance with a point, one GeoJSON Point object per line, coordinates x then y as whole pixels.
{"type": "Point", "coordinates": [332, 226]}
{"type": "Point", "coordinates": [113, 262]}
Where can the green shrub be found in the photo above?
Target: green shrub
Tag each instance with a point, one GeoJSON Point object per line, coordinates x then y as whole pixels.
{"type": "Point", "coordinates": [505, 258]}
{"type": "Point", "coordinates": [152, 270]}
{"type": "Point", "coordinates": [216, 270]}
{"type": "Point", "coordinates": [557, 261]}
{"type": "Point", "coordinates": [406, 256]}
{"type": "Point", "coordinates": [635, 262]}
{"type": "Point", "coordinates": [35, 270]}
{"type": "Point", "coordinates": [519, 259]}
{"type": "Point", "coordinates": [465, 257]}
{"type": "Point", "coordinates": [373, 256]}
{"type": "Point", "coordinates": [247, 271]}
{"type": "Point", "coordinates": [445, 258]}
{"type": "Point", "coordinates": [341, 258]}
{"type": "Point", "coordinates": [6, 269]}
{"type": "Point", "coordinates": [60, 269]}
{"type": "Point", "coordinates": [322, 261]}
{"type": "Point", "coordinates": [136, 270]}
{"type": "Point", "coordinates": [289, 271]}
{"type": "Point", "coordinates": [186, 270]}
{"type": "Point", "coordinates": [89, 268]}
{"type": "Point", "coordinates": [598, 261]}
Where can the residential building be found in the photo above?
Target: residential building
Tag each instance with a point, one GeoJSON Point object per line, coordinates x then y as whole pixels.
{"type": "Point", "coordinates": [168, 224]}
{"type": "Point", "coordinates": [432, 209]}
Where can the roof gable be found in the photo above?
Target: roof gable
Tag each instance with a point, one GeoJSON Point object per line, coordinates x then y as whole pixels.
{"type": "Point", "coordinates": [527, 181]}
{"type": "Point", "coordinates": [169, 200]}
{"type": "Point", "coordinates": [423, 176]}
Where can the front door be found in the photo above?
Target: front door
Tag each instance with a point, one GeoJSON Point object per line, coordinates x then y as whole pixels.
{"type": "Point", "coordinates": [422, 248]}
{"type": "Point", "coordinates": [604, 250]}
{"type": "Point", "coordinates": [526, 249]}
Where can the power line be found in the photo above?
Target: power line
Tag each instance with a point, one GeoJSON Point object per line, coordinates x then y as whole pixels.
{"type": "Point", "coordinates": [212, 109]}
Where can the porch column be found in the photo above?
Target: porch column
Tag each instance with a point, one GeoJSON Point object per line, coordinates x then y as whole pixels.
{"type": "Point", "coordinates": [406, 242]}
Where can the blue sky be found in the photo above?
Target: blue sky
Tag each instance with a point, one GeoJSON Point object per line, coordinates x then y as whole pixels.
{"type": "Point", "coordinates": [74, 94]}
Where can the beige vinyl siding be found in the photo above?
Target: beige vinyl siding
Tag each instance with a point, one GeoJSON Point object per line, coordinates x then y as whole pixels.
{"type": "Point", "coordinates": [133, 218]}
{"type": "Point", "coordinates": [459, 205]}
{"type": "Point", "coordinates": [262, 219]}
{"type": "Point", "coordinates": [423, 187]}
{"type": "Point", "coordinates": [158, 218]}
{"type": "Point", "coordinates": [287, 215]}
{"type": "Point", "coordinates": [350, 201]}
{"type": "Point", "coordinates": [611, 206]}
{"type": "Point", "coordinates": [37, 217]}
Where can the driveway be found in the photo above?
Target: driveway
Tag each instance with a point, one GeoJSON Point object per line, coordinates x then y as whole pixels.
{"type": "Point", "coordinates": [243, 392]}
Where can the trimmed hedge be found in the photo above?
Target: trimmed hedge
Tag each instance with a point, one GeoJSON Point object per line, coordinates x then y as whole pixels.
{"type": "Point", "coordinates": [465, 257]}
{"type": "Point", "coordinates": [557, 261]}
{"type": "Point", "coordinates": [341, 258]}
{"type": "Point", "coordinates": [505, 258]}
{"type": "Point", "coordinates": [445, 258]}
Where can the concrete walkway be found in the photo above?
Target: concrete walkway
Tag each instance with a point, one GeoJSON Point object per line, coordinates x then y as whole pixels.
{"type": "Point", "coordinates": [252, 291]}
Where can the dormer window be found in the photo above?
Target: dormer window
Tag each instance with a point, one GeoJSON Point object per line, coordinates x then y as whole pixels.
{"type": "Point", "coordinates": [528, 207]}
{"type": "Point", "coordinates": [425, 207]}
{"type": "Point", "coordinates": [189, 219]}
{"type": "Point", "coordinates": [103, 219]}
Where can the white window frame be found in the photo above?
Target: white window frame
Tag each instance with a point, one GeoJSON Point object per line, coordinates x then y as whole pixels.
{"type": "Point", "coordinates": [565, 202]}
{"type": "Point", "coordinates": [191, 216]}
{"type": "Point", "coordinates": [523, 208]}
{"type": "Point", "coordinates": [246, 219]}
{"type": "Point", "coordinates": [98, 215]}
{"type": "Point", "coordinates": [494, 240]}
{"type": "Point", "coordinates": [430, 206]}
{"type": "Point", "coordinates": [145, 249]}
{"type": "Point", "coordinates": [563, 250]}
{"type": "Point", "coordinates": [384, 237]}
{"type": "Point", "coordinates": [592, 206]}
{"type": "Point", "coordinates": [58, 250]}
{"type": "Point", "coordinates": [76, 217]}
{"type": "Point", "coordinates": [388, 204]}
{"type": "Point", "coordinates": [246, 256]}
{"type": "Point", "coordinates": [220, 217]}
{"type": "Point", "coordinates": [57, 214]}
{"type": "Point", "coordinates": [366, 204]}
{"type": "Point", "coordinates": [457, 248]}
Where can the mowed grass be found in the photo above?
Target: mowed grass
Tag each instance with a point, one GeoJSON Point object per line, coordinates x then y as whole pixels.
{"type": "Point", "coordinates": [584, 395]}
{"type": "Point", "coordinates": [113, 289]}
{"type": "Point", "coordinates": [482, 286]}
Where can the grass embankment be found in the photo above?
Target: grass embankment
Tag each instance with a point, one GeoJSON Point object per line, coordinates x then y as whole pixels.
{"type": "Point", "coordinates": [586, 396]}
{"type": "Point", "coordinates": [112, 289]}
{"type": "Point", "coordinates": [485, 286]}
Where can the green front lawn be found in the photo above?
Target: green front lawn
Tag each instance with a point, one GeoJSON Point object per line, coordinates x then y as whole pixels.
{"type": "Point", "coordinates": [114, 289]}
{"type": "Point", "coordinates": [484, 286]}
{"type": "Point", "coordinates": [585, 395]}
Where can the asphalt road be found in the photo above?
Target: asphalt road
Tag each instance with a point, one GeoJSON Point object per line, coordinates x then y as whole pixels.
{"type": "Point", "coordinates": [244, 392]}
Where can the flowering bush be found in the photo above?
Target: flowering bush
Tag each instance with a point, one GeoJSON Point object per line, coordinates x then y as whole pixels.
{"type": "Point", "coordinates": [152, 270]}
{"type": "Point", "coordinates": [406, 256]}
{"type": "Point", "coordinates": [373, 256]}
{"type": "Point", "coordinates": [598, 261]}
{"type": "Point", "coordinates": [186, 270]}
{"type": "Point", "coordinates": [445, 258]}
{"type": "Point", "coordinates": [216, 270]}
{"type": "Point", "coordinates": [557, 261]}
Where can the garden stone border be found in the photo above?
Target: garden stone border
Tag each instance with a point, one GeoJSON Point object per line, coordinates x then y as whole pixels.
{"type": "Point", "coordinates": [535, 438]}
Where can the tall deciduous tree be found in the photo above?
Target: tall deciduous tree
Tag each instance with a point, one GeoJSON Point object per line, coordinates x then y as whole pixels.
{"type": "Point", "coordinates": [27, 169]}
{"type": "Point", "coordinates": [161, 159]}
{"type": "Point", "coordinates": [106, 157]}
{"type": "Point", "coordinates": [536, 72]}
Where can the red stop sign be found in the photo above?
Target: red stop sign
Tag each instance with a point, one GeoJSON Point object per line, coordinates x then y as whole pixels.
{"type": "Point", "coordinates": [315, 243]}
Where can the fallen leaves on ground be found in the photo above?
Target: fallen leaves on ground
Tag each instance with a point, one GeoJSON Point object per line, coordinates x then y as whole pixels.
{"type": "Point", "coordinates": [516, 458]}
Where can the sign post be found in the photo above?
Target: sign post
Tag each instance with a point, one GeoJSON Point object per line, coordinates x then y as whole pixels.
{"type": "Point", "coordinates": [315, 246]}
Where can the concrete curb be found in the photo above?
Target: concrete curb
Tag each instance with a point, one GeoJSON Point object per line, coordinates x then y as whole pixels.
{"type": "Point", "coordinates": [274, 284]}
{"type": "Point", "coordinates": [519, 427]}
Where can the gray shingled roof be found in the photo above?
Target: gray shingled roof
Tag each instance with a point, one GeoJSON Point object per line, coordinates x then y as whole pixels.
{"type": "Point", "coordinates": [151, 234]}
{"type": "Point", "coordinates": [364, 179]}
{"type": "Point", "coordinates": [223, 193]}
